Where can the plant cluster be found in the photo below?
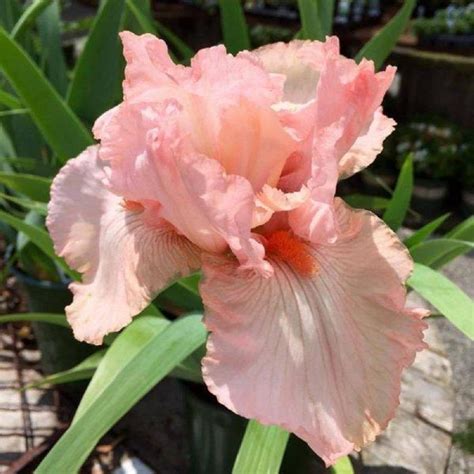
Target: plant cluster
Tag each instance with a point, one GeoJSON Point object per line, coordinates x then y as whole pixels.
{"type": "Point", "coordinates": [440, 149]}
{"type": "Point", "coordinates": [452, 20]}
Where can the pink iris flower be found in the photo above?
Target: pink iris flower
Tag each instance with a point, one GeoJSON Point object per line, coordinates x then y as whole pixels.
{"type": "Point", "coordinates": [230, 166]}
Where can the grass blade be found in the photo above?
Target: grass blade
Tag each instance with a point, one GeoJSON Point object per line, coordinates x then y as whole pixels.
{"type": "Point", "coordinates": [421, 234]}
{"type": "Point", "coordinates": [445, 296]}
{"type": "Point", "coordinates": [28, 17]}
{"type": "Point", "coordinates": [59, 125]}
{"type": "Point", "coordinates": [39, 207]}
{"type": "Point", "coordinates": [39, 237]}
{"type": "Point", "coordinates": [365, 201]}
{"type": "Point", "coordinates": [311, 26]}
{"type": "Point", "coordinates": [463, 231]}
{"type": "Point", "coordinates": [129, 372]}
{"type": "Point", "coordinates": [98, 75]}
{"type": "Point", "coordinates": [326, 9]}
{"type": "Point", "coordinates": [399, 204]}
{"type": "Point", "coordinates": [234, 26]}
{"type": "Point", "coordinates": [35, 187]}
{"type": "Point", "coordinates": [262, 449]}
{"type": "Point", "coordinates": [82, 371]}
{"type": "Point", "coordinates": [381, 45]}
{"type": "Point", "coordinates": [51, 47]}
{"type": "Point", "coordinates": [50, 318]}
{"type": "Point", "coordinates": [432, 251]}
{"type": "Point", "coordinates": [9, 100]}
{"type": "Point", "coordinates": [343, 466]}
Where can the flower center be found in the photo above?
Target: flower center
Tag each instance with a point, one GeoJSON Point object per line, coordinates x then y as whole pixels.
{"type": "Point", "coordinates": [132, 206]}
{"type": "Point", "coordinates": [292, 251]}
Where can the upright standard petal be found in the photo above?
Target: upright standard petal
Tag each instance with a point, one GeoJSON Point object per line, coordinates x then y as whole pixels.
{"type": "Point", "coordinates": [350, 93]}
{"type": "Point", "coordinates": [318, 348]}
{"type": "Point", "coordinates": [367, 146]}
{"type": "Point", "coordinates": [252, 143]}
{"type": "Point", "coordinates": [125, 253]}
{"type": "Point", "coordinates": [151, 75]}
{"type": "Point", "coordinates": [315, 220]}
{"type": "Point", "coordinates": [300, 63]}
{"type": "Point", "coordinates": [213, 209]}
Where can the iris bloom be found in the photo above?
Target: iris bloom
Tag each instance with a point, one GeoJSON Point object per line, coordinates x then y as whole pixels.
{"type": "Point", "coordinates": [230, 166]}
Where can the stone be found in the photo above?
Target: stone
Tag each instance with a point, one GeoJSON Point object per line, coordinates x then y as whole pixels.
{"type": "Point", "coordinates": [418, 439]}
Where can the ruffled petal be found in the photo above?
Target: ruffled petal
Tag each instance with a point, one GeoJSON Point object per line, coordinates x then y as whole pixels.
{"type": "Point", "coordinates": [315, 220]}
{"type": "Point", "coordinates": [224, 78]}
{"type": "Point", "coordinates": [367, 146]}
{"type": "Point", "coordinates": [271, 200]}
{"type": "Point", "coordinates": [211, 208]}
{"type": "Point", "coordinates": [319, 355]}
{"type": "Point", "coordinates": [252, 143]}
{"type": "Point", "coordinates": [125, 253]}
{"type": "Point", "coordinates": [300, 63]}
{"type": "Point", "coordinates": [123, 132]}
{"type": "Point", "coordinates": [350, 93]}
{"type": "Point", "coordinates": [151, 75]}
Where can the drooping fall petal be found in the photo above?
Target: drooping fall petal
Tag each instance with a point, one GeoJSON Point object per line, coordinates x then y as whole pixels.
{"type": "Point", "coordinates": [125, 253]}
{"type": "Point", "coordinates": [318, 352]}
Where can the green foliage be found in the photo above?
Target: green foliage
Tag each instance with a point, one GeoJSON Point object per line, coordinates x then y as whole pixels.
{"type": "Point", "coordinates": [400, 202]}
{"type": "Point", "coordinates": [365, 201]}
{"type": "Point", "coordinates": [9, 100]}
{"type": "Point", "coordinates": [39, 237]}
{"type": "Point", "coordinates": [454, 21]}
{"type": "Point", "coordinates": [36, 206]}
{"type": "Point", "coordinates": [440, 149]}
{"type": "Point", "coordinates": [343, 466]}
{"type": "Point", "coordinates": [465, 439]}
{"type": "Point", "coordinates": [380, 46]}
{"type": "Point", "coordinates": [464, 231]}
{"type": "Point", "coordinates": [28, 17]}
{"type": "Point", "coordinates": [82, 371]}
{"type": "Point", "coordinates": [432, 251]}
{"type": "Point", "coordinates": [421, 234]}
{"type": "Point", "coordinates": [316, 18]}
{"type": "Point", "coordinates": [181, 48]}
{"type": "Point", "coordinates": [445, 296]}
{"type": "Point", "coordinates": [262, 449]}
{"type": "Point", "coordinates": [234, 26]}
{"type": "Point", "coordinates": [35, 187]}
{"type": "Point", "coordinates": [49, 31]}
{"type": "Point", "coordinates": [97, 77]}
{"type": "Point", "coordinates": [145, 352]}
{"type": "Point", "coordinates": [50, 318]}
{"type": "Point", "coordinates": [66, 135]}
{"type": "Point", "coordinates": [311, 27]}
